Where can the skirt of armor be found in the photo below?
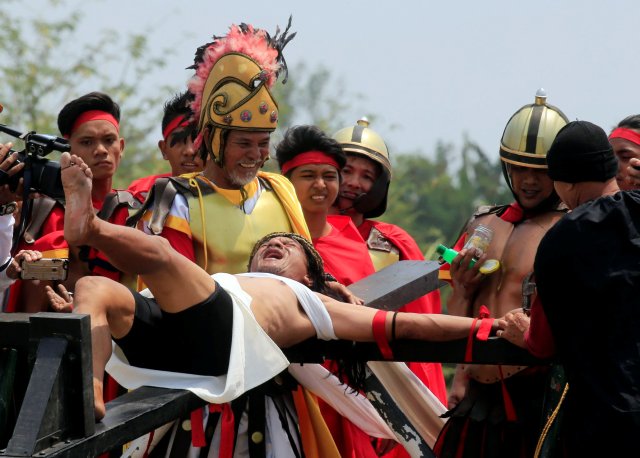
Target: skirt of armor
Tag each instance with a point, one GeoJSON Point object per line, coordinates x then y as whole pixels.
{"type": "Point", "coordinates": [478, 425]}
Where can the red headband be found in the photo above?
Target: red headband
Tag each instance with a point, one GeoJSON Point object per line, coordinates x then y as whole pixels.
{"type": "Point", "coordinates": [93, 115]}
{"type": "Point", "coordinates": [627, 134]}
{"type": "Point", "coordinates": [178, 121]}
{"type": "Point", "coordinates": [309, 157]}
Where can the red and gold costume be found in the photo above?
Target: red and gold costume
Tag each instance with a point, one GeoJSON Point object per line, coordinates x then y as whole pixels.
{"type": "Point", "coordinates": [501, 410]}
{"type": "Point", "coordinates": [388, 243]}
{"type": "Point", "coordinates": [216, 228]}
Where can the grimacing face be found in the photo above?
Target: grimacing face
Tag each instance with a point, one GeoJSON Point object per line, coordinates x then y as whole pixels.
{"type": "Point", "coordinates": [282, 256]}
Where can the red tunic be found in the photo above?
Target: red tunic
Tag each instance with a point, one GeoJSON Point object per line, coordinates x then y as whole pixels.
{"type": "Point", "coordinates": [140, 188]}
{"type": "Point", "coordinates": [343, 251]}
{"type": "Point", "coordinates": [345, 257]}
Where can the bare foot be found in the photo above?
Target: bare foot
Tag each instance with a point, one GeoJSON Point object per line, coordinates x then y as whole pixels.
{"type": "Point", "coordinates": [99, 409]}
{"type": "Point", "coordinates": [79, 212]}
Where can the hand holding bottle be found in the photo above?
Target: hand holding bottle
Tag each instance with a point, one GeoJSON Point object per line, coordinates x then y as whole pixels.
{"type": "Point", "coordinates": [487, 267]}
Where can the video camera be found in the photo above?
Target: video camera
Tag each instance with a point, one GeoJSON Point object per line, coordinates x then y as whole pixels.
{"type": "Point", "coordinates": [39, 174]}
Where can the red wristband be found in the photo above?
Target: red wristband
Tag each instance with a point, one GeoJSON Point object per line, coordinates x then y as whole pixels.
{"type": "Point", "coordinates": [378, 325]}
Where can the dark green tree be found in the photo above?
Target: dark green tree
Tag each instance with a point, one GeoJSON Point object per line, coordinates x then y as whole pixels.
{"type": "Point", "coordinates": [432, 199]}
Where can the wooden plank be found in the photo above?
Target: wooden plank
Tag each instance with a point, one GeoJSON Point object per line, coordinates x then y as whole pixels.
{"type": "Point", "coordinates": [14, 330]}
{"type": "Point", "coordinates": [8, 364]}
{"type": "Point", "coordinates": [128, 417]}
{"type": "Point", "coordinates": [493, 351]}
{"type": "Point", "coordinates": [58, 402]}
{"type": "Point", "coordinates": [398, 284]}
{"type": "Point", "coordinates": [28, 430]}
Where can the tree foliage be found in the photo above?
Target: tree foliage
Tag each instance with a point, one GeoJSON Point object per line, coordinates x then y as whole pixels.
{"type": "Point", "coordinates": [44, 64]}
{"type": "Point", "coordinates": [432, 201]}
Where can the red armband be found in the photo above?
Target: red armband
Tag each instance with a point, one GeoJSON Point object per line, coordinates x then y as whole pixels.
{"type": "Point", "coordinates": [378, 325]}
{"type": "Point", "coordinates": [484, 330]}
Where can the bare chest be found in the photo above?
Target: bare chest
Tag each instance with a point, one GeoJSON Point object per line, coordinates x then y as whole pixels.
{"type": "Point", "coordinates": [515, 247]}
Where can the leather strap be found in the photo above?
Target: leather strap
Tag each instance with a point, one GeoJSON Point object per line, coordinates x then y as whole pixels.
{"type": "Point", "coordinates": [40, 211]}
{"type": "Point", "coordinates": [165, 194]}
{"type": "Point", "coordinates": [256, 431]}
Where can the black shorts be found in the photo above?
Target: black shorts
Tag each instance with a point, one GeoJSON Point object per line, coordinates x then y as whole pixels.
{"type": "Point", "coordinates": [196, 340]}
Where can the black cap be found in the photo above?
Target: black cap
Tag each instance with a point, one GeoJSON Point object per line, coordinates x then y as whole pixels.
{"type": "Point", "coordinates": [581, 152]}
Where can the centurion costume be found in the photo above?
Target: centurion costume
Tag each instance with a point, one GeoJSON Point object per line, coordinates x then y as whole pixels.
{"type": "Point", "coordinates": [501, 411]}
{"type": "Point", "coordinates": [217, 227]}
{"type": "Point", "coordinates": [388, 243]}
{"type": "Point", "coordinates": [214, 226]}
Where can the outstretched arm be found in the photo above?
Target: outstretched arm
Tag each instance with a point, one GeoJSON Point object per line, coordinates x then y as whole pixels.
{"type": "Point", "coordinates": [353, 322]}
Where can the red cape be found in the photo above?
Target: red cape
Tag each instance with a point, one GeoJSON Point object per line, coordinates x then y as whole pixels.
{"type": "Point", "coordinates": [344, 252]}
{"type": "Point", "coordinates": [140, 187]}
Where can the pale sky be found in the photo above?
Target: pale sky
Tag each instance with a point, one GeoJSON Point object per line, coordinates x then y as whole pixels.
{"type": "Point", "coordinates": [430, 71]}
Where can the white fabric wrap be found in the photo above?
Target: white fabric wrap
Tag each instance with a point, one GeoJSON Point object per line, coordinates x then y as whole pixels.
{"type": "Point", "coordinates": [255, 358]}
{"type": "Point", "coordinates": [6, 239]}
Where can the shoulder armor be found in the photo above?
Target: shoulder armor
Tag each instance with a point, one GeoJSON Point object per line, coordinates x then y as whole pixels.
{"type": "Point", "coordinates": [377, 241]}
{"type": "Point", "coordinates": [40, 210]}
{"type": "Point", "coordinates": [161, 197]}
{"type": "Point", "coordinates": [117, 199]}
{"type": "Point", "coordinates": [488, 210]}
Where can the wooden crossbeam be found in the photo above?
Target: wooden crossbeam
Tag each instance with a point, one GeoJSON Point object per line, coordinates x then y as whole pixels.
{"type": "Point", "coordinates": [398, 284]}
{"type": "Point", "coordinates": [128, 417]}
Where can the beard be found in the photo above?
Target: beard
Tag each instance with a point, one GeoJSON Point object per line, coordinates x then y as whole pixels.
{"type": "Point", "coordinates": [239, 177]}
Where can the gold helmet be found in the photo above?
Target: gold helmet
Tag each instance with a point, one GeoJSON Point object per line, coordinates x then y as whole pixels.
{"type": "Point", "coordinates": [364, 141]}
{"type": "Point", "coordinates": [530, 132]}
{"type": "Point", "coordinates": [231, 85]}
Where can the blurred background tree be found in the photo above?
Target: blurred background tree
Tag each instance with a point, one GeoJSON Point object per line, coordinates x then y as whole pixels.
{"type": "Point", "coordinates": [433, 191]}
{"type": "Point", "coordinates": [41, 69]}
